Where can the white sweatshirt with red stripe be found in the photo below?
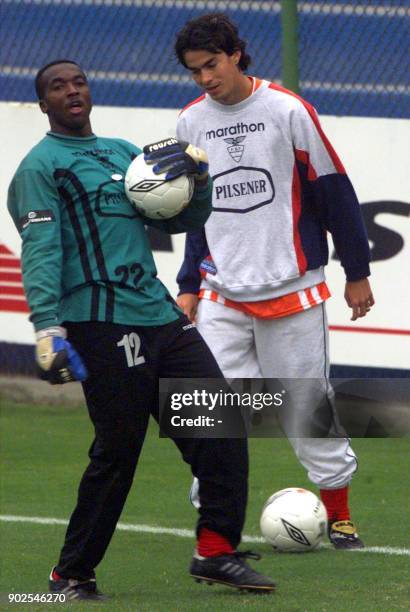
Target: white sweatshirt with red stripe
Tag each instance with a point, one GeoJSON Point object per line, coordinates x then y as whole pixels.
{"type": "Point", "coordinates": [278, 187]}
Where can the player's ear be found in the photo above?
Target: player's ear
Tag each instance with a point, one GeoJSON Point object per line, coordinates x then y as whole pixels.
{"type": "Point", "coordinates": [236, 56]}
{"type": "Point", "coordinates": [43, 106]}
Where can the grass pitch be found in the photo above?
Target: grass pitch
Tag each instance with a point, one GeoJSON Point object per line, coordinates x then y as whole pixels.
{"type": "Point", "coordinates": [44, 452]}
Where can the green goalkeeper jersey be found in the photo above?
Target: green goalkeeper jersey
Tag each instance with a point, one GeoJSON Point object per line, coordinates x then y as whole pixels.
{"type": "Point", "coordinates": [85, 251]}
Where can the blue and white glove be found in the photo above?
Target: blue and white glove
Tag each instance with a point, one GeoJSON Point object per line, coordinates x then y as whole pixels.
{"type": "Point", "coordinates": [176, 157]}
{"type": "Point", "coordinates": [57, 360]}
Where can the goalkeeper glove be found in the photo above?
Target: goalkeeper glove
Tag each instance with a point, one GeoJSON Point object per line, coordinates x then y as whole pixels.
{"type": "Point", "coordinates": [57, 361]}
{"type": "Point", "coordinates": [176, 157]}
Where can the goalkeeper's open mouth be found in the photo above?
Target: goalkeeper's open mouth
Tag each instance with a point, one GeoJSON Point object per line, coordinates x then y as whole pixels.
{"type": "Point", "coordinates": [76, 107]}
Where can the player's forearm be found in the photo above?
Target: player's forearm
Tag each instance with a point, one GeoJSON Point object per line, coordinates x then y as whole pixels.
{"type": "Point", "coordinates": [34, 206]}
{"type": "Point", "coordinates": [42, 272]}
{"type": "Point", "coordinates": [193, 217]}
{"type": "Point", "coordinates": [342, 218]}
{"type": "Point", "coordinates": [42, 286]}
{"type": "Point", "coordinates": [196, 250]}
{"type": "Point", "coordinates": [198, 210]}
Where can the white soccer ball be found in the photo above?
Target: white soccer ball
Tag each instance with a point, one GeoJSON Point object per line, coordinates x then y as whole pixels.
{"type": "Point", "coordinates": [152, 195]}
{"type": "Point", "coordinates": [293, 520]}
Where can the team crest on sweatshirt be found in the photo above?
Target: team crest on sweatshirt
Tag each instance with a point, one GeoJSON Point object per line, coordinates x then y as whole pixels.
{"type": "Point", "coordinates": [235, 148]}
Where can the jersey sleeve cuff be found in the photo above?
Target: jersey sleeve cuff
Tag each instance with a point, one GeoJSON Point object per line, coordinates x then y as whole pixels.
{"type": "Point", "coordinates": [189, 287]}
{"type": "Point", "coordinates": [357, 273]}
{"type": "Point", "coordinates": [43, 321]}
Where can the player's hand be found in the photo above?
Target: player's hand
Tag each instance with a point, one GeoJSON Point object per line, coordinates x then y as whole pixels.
{"type": "Point", "coordinates": [188, 302]}
{"type": "Point", "coordinates": [57, 360]}
{"type": "Point", "coordinates": [176, 157]}
{"type": "Point", "coordinates": [359, 297]}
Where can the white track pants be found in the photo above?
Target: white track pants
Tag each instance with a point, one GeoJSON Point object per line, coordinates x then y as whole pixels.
{"type": "Point", "coordinates": [289, 347]}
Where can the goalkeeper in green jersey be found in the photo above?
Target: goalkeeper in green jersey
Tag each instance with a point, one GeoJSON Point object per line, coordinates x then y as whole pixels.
{"type": "Point", "coordinates": [101, 316]}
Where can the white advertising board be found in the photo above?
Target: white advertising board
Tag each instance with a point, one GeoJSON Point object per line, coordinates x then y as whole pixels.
{"type": "Point", "coordinates": [374, 152]}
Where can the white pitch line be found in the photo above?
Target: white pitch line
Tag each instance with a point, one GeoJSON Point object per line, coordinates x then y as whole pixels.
{"type": "Point", "coordinates": [186, 533]}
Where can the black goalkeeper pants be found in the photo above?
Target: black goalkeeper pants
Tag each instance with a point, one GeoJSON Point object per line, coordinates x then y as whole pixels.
{"type": "Point", "coordinates": [124, 365]}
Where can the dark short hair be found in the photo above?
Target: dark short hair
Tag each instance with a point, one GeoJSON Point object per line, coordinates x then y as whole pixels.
{"type": "Point", "coordinates": [215, 33]}
{"type": "Point", "coordinates": [39, 86]}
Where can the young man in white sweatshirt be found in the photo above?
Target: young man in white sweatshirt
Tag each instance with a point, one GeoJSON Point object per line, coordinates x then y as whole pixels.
{"type": "Point", "coordinates": [253, 279]}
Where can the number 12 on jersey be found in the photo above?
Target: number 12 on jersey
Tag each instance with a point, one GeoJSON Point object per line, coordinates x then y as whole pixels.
{"type": "Point", "coordinates": [132, 344]}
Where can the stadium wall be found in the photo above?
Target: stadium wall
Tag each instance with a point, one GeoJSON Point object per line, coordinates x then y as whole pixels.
{"type": "Point", "coordinates": [372, 150]}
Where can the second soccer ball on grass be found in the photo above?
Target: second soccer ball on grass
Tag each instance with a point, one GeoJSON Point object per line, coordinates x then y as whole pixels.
{"type": "Point", "coordinates": [293, 520]}
{"type": "Point", "coordinates": [152, 195]}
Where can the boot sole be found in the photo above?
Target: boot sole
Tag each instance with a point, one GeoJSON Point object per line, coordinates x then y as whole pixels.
{"type": "Point", "coordinates": [241, 587]}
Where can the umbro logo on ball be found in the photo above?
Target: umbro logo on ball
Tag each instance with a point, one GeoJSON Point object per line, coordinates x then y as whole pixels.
{"type": "Point", "coordinates": [145, 185]}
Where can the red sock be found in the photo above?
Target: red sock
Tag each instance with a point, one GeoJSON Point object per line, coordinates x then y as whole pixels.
{"type": "Point", "coordinates": [336, 503]}
{"type": "Point", "coordinates": [212, 544]}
